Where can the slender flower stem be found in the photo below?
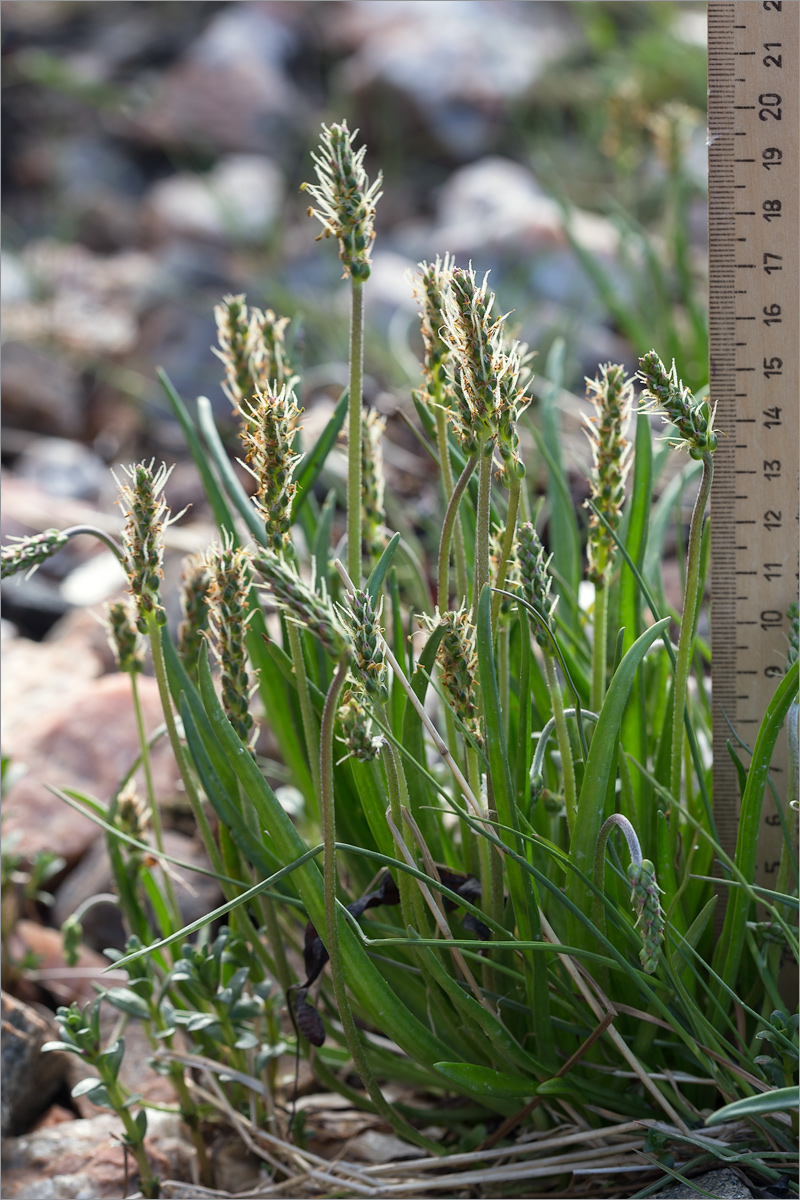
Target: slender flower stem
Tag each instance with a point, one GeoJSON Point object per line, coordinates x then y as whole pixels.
{"type": "Point", "coordinates": [599, 647]}
{"type": "Point", "coordinates": [458, 533]}
{"type": "Point", "coordinates": [155, 814]}
{"type": "Point", "coordinates": [447, 532]}
{"type": "Point", "coordinates": [100, 534]}
{"type": "Point", "coordinates": [310, 727]}
{"type": "Point", "coordinates": [508, 544]}
{"type": "Point", "coordinates": [154, 634]}
{"type": "Point", "coordinates": [354, 429]}
{"type": "Point", "coordinates": [482, 528]}
{"type": "Point", "coordinates": [562, 736]}
{"type": "Point", "coordinates": [686, 638]}
{"type": "Point", "coordinates": [398, 799]}
{"type": "Point", "coordinates": [329, 838]}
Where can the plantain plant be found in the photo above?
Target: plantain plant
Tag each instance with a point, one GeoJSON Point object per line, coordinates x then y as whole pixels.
{"type": "Point", "coordinates": [464, 753]}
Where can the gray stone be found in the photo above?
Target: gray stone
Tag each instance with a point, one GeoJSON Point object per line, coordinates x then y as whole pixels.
{"type": "Point", "coordinates": [231, 90]}
{"type": "Point", "coordinates": [237, 201]}
{"type": "Point", "coordinates": [450, 65]}
{"type": "Point", "coordinates": [30, 1079]}
{"type": "Point", "coordinates": [725, 1184]}
{"type": "Point", "coordinates": [61, 467]}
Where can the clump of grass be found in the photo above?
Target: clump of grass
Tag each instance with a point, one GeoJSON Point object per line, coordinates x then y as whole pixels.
{"type": "Point", "coordinates": [524, 975]}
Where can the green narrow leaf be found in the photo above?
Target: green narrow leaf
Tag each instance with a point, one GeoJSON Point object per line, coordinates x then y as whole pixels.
{"type": "Point", "coordinates": [378, 574]}
{"type": "Point", "coordinates": [500, 1040]}
{"type": "Point", "coordinates": [483, 1081]}
{"type": "Point", "coordinates": [127, 1001]}
{"type": "Point", "coordinates": [780, 1100]}
{"type": "Point", "coordinates": [216, 499]}
{"type": "Point", "coordinates": [601, 762]}
{"type": "Point", "coordinates": [112, 1057]}
{"type": "Point", "coordinates": [369, 988]}
{"type": "Point", "coordinates": [634, 721]}
{"type": "Point", "coordinates": [729, 948]}
{"type": "Point", "coordinates": [321, 544]}
{"type": "Point", "coordinates": [308, 469]}
{"type": "Point", "coordinates": [523, 890]}
{"type": "Point", "coordinates": [420, 795]}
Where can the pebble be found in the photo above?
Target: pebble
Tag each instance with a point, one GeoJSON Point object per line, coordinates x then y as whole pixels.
{"type": "Point", "coordinates": [724, 1184]}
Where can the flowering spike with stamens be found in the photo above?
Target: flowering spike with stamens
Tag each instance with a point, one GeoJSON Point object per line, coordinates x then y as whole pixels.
{"type": "Point", "coordinates": [535, 576]}
{"type": "Point", "coordinates": [133, 815]}
{"type": "Point", "coordinates": [373, 516]}
{"type": "Point", "coordinates": [458, 663]}
{"type": "Point", "coordinates": [270, 364]}
{"type": "Point", "coordinates": [195, 588]}
{"type": "Point", "coordinates": [363, 621]}
{"type": "Point", "coordinates": [268, 438]}
{"type": "Point", "coordinates": [357, 727]}
{"type": "Point", "coordinates": [309, 609]}
{"type": "Point", "coordinates": [146, 517]}
{"type": "Point", "coordinates": [28, 553]}
{"type": "Point", "coordinates": [229, 568]}
{"type": "Point", "coordinates": [345, 198]}
{"type": "Point", "coordinates": [236, 336]}
{"type": "Point", "coordinates": [650, 919]}
{"type": "Point", "coordinates": [693, 419]}
{"type": "Point", "coordinates": [472, 338]}
{"type": "Point", "coordinates": [123, 636]}
{"type": "Point", "coordinates": [430, 291]}
{"type": "Point", "coordinates": [488, 377]}
{"type": "Point", "coordinates": [611, 394]}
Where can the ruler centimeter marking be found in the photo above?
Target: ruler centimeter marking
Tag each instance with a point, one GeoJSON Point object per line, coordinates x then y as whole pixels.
{"type": "Point", "coordinates": [754, 336]}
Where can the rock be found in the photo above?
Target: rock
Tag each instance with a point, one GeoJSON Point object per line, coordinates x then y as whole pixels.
{"type": "Point", "coordinates": [496, 203]}
{"type": "Point", "coordinates": [30, 1079]}
{"type": "Point", "coordinates": [102, 924]}
{"type": "Point", "coordinates": [84, 1160]}
{"type": "Point", "coordinates": [88, 746]}
{"type": "Point", "coordinates": [65, 984]}
{"type": "Point", "coordinates": [40, 390]}
{"type": "Point", "coordinates": [450, 67]}
{"type": "Point", "coordinates": [237, 201]}
{"type": "Point", "coordinates": [42, 678]}
{"type": "Point", "coordinates": [230, 91]}
{"type": "Point", "coordinates": [16, 280]}
{"type": "Point", "coordinates": [725, 1184]}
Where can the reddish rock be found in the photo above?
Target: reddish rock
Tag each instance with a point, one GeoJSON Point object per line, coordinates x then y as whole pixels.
{"type": "Point", "coordinates": [85, 1159]}
{"type": "Point", "coordinates": [64, 983]}
{"type": "Point", "coordinates": [88, 746]}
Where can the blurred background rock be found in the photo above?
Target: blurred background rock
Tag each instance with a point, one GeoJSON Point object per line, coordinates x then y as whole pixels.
{"type": "Point", "coordinates": [152, 155]}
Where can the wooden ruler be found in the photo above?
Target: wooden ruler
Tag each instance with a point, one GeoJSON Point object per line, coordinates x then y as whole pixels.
{"type": "Point", "coordinates": [754, 328]}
